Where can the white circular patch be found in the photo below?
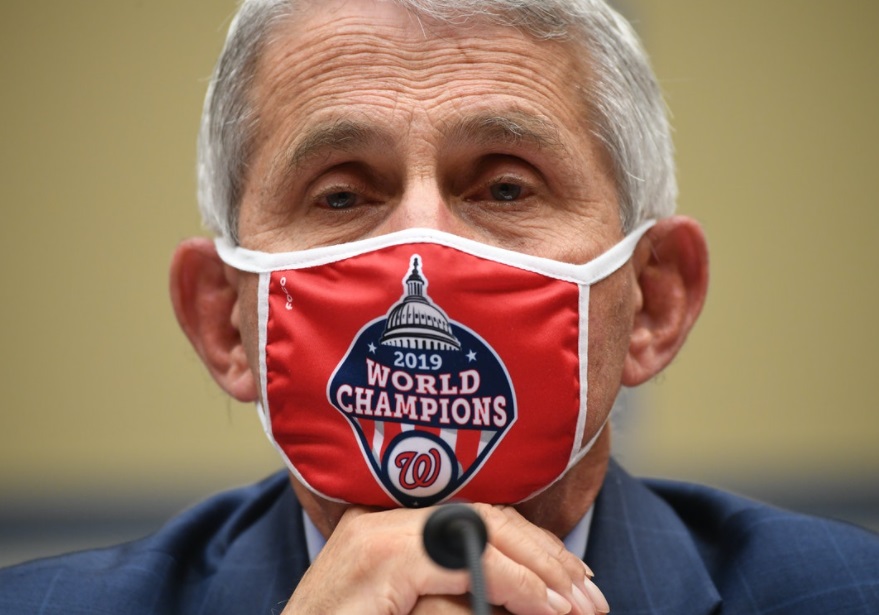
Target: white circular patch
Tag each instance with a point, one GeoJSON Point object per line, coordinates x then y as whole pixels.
{"type": "Point", "coordinates": [419, 465]}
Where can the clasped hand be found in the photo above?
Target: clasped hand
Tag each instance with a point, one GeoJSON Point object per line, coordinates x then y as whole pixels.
{"type": "Point", "coordinates": [374, 563]}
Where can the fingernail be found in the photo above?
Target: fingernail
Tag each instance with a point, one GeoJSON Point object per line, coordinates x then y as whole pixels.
{"type": "Point", "coordinates": [597, 597]}
{"type": "Point", "coordinates": [557, 603]}
{"type": "Point", "coordinates": [589, 572]}
{"type": "Point", "coordinates": [584, 605]}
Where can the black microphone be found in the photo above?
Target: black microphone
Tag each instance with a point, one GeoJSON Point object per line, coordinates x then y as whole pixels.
{"type": "Point", "coordinates": [454, 538]}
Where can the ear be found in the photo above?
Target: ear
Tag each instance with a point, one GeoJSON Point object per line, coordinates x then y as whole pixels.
{"type": "Point", "coordinates": [205, 299]}
{"type": "Point", "coordinates": [671, 267]}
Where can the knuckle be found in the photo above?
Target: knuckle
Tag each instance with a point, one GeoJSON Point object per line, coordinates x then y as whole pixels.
{"type": "Point", "coordinates": [554, 572]}
{"type": "Point", "coordinates": [572, 564]}
{"type": "Point", "coordinates": [511, 583]}
{"type": "Point", "coordinates": [486, 511]}
{"type": "Point", "coordinates": [524, 578]}
{"type": "Point", "coordinates": [530, 587]}
{"type": "Point", "coordinates": [494, 518]}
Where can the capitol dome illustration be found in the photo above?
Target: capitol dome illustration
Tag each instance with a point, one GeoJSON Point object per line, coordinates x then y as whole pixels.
{"type": "Point", "coordinates": [415, 322]}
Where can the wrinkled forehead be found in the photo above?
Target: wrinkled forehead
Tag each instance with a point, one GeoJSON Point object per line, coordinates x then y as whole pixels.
{"type": "Point", "coordinates": [340, 46]}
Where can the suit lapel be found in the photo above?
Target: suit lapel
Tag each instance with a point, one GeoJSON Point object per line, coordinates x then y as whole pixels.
{"type": "Point", "coordinates": [643, 556]}
{"type": "Point", "coordinates": [264, 556]}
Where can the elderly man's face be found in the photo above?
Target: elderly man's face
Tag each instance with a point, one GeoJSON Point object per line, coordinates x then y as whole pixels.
{"type": "Point", "coordinates": [371, 121]}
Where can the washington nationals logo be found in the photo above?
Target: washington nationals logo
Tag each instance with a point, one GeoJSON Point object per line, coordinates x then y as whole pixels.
{"type": "Point", "coordinates": [418, 469]}
{"type": "Point", "coordinates": [428, 398]}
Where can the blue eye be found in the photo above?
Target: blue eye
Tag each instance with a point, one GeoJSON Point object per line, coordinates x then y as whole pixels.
{"type": "Point", "coordinates": [341, 200]}
{"type": "Point", "coordinates": [505, 192]}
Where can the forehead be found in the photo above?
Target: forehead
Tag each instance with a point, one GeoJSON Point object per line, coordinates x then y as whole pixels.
{"type": "Point", "coordinates": [338, 58]}
{"type": "Point", "coordinates": [362, 96]}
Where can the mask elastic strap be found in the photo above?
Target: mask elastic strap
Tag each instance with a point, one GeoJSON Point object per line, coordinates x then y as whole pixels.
{"type": "Point", "coordinates": [607, 263]}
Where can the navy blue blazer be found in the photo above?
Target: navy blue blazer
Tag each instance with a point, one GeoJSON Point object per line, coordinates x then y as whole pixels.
{"type": "Point", "coordinates": [656, 547]}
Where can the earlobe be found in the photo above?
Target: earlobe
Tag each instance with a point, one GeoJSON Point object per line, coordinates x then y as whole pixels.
{"type": "Point", "coordinates": [671, 266]}
{"type": "Point", "coordinates": [206, 305]}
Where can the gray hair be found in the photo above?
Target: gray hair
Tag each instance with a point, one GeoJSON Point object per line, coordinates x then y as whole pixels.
{"type": "Point", "coordinates": [622, 98]}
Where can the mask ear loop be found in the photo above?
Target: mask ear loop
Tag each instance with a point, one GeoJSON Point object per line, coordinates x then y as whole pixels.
{"type": "Point", "coordinates": [607, 263]}
{"type": "Point", "coordinates": [601, 267]}
{"type": "Point", "coordinates": [593, 272]}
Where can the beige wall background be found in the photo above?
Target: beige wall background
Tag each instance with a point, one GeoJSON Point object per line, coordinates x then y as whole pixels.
{"type": "Point", "coordinates": [774, 106]}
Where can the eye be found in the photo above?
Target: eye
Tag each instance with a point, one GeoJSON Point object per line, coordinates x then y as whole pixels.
{"type": "Point", "coordinates": [505, 191]}
{"type": "Point", "coordinates": [340, 200]}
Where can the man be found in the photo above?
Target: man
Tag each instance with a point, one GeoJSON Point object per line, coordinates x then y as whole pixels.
{"type": "Point", "coordinates": [446, 224]}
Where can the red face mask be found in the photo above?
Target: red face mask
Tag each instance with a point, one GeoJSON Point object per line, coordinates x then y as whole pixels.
{"type": "Point", "coordinates": [418, 366]}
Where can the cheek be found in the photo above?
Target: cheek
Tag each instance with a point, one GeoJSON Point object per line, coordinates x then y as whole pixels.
{"type": "Point", "coordinates": [610, 325]}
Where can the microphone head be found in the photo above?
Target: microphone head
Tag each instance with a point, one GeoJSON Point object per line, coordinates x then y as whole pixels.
{"type": "Point", "coordinates": [447, 531]}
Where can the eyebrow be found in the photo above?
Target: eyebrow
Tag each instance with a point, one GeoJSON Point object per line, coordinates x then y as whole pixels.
{"type": "Point", "coordinates": [338, 136]}
{"type": "Point", "coordinates": [510, 128]}
{"type": "Point", "coordinates": [487, 129]}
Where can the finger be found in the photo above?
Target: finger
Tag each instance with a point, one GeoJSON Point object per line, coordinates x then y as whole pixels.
{"type": "Point", "coordinates": [595, 602]}
{"type": "Point", "coordinates": [375, 562]}
{"type": "Point", "coordinates": [541, 552]}
{"type": "Point", "coordinates": [519, 589]}
{"type": "Point", "coordinates": [588, 590]}
{"type": "Point", "coordinates": [594, 598]}
{"type": "Point", "coordinates": [508, 584]}
{"type": "Point", "coordinates": [575, 566]}
{"type": "Point", "coordinates": [597, 598]}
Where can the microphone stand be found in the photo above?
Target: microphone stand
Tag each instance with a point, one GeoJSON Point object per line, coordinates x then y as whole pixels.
{"type": "Point", "coordinates": [454, 538]}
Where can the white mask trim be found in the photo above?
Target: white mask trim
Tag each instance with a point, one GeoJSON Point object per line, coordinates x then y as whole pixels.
{"type": "Point", "coordinates": [589, 273]}
{"type": "Point", "coordinates": [583, 351]}
{"type": "Point", "coordinates": [262, 312]}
